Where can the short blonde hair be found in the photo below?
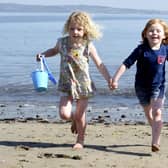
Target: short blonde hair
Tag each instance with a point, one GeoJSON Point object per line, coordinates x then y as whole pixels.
{"type": "Point", "coordinates": [150, 23]}
{"type": "Point", "coordinates": [91, 30]}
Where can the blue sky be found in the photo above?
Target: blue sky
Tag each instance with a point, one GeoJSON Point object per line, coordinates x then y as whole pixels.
{"type": "Point", "coordinates": [140, 4]}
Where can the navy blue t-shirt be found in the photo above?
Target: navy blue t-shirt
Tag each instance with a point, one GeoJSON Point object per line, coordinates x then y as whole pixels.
{"type": "Point", "coordinates": [150, 65]}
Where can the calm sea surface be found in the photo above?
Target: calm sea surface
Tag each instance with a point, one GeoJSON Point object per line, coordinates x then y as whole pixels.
{"type": "Point", "coordinates": [22, 36]}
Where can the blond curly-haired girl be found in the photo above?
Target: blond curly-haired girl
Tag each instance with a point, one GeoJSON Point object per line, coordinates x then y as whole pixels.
{"type": "Point", "coordinates": [75, 83]}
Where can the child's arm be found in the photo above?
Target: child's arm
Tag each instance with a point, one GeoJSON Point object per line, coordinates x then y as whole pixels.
{"type": "Point", "coordinates": [49, 53]}
{"type": "Point", "coordinates": [117, 76]}
{"type": "Point", "coordinates": [101, 67]}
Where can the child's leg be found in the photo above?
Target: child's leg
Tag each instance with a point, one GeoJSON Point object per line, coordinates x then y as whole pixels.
{"type": "Point", "coordinates": [144, 95]}
{"type": "Point", "coordinates": [157, 120]}
{"type": "Point", "coordinates": [148, 113]}
{"type": "Point", "coordinates": [73, 125]}
{"type": "Point", "coordinates": [65, 107]}
{"type": "Point", "coordinates": [65, 110]}
{"type": "Point", "coordinates": [80, 118]}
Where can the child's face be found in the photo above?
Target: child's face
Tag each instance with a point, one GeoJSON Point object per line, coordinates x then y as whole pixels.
{"type": "Point", "coordinates": [155, 34]}
{"type": "Point", "coordinates": [76, 31]}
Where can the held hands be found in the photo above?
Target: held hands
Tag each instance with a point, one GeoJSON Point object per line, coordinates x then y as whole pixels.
{"type": "Point", "coordinates": [113, 84]}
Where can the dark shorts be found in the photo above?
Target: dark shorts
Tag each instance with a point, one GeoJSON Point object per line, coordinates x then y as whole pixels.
{"type": "Point", "coordinates": [145, 95]}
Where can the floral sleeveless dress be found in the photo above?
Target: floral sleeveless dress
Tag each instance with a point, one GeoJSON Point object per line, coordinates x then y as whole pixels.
{"type": "Point", "coordinates": [74, 77]}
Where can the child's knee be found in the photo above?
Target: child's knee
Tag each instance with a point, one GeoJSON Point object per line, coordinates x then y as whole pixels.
{"type": "Point", "coordinates": [157, 114]}
{"type": "Point", "coordinates": [65, 116]}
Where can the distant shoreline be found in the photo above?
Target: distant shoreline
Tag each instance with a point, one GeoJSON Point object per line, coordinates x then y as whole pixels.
{"type": "Point", "coordinates": [12, 7]}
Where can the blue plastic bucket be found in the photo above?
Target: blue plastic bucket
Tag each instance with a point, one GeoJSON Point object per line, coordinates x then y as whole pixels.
{"type": "Point", "coordinates": [40, 80]}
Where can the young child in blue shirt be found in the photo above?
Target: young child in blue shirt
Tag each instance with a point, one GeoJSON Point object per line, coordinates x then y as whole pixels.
{"type": "Point", "coordinates": [150, 58]}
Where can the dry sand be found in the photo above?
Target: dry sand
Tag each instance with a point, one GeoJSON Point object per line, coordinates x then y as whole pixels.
{"type": "Point", "coordinates": [49, 145]}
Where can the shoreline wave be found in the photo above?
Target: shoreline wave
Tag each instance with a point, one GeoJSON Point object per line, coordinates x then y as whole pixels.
{"type": "Point", "coordinates": [21, 89]}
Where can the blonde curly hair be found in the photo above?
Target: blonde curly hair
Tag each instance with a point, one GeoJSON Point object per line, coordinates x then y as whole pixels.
{"type": "Point", "coordinates": [91, 30]}
{"type": "Point", "coordinates": [154, 21]}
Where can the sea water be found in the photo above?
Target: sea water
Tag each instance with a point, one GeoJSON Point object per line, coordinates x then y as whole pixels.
{"type": "Point", "coordinates": [23, 35]}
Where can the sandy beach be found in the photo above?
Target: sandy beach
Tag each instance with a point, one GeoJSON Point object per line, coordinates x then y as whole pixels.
{"type": "Point", "coordinates": [31, 132]}
{"type": "Point", "coordinates": [33, 136]}
{"type": "Point", "coordinates": [35, 144]}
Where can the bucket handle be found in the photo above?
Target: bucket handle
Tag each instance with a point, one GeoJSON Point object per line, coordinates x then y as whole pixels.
{"type": "Point", "coordinates": [45, 66]}
{"type": "Point", "coordinates": [41, 63]}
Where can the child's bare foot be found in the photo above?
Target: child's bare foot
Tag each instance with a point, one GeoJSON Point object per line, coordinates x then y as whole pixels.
{"type": "Point", "coordinates": [73, 127]}
{"type": "Point", "coordinates": [155, 148]}
{"type": "Point", "coordinates": [78, 146]}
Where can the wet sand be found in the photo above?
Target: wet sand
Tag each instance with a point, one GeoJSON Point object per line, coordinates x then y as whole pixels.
{"type": "Point", "coordinates": [34, 144]}
{"type": "Point", "coordinates": [33, 136]}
